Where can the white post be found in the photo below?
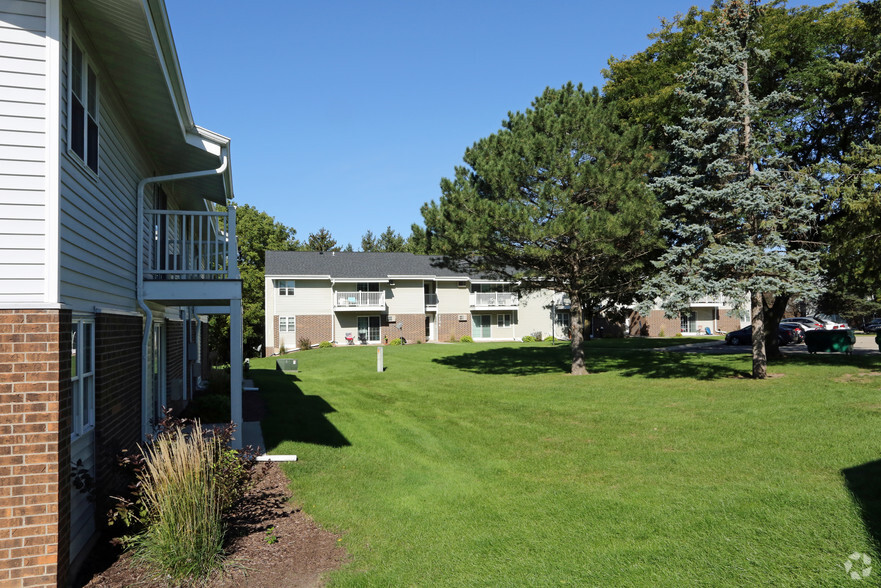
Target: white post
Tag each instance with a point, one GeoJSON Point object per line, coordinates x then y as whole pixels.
{"type": "Point", "coordinates": [379, 367]}
{"type": "Point", "coordinates": [235, 369]}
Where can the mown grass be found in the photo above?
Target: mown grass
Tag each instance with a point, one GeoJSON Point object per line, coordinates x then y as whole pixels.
{"type": "Point", "coordinates": [489, 465]}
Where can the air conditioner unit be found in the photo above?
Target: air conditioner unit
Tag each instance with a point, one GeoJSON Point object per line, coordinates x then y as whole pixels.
{"type": "Point", "coordinates": [391, 283]}
{"type": "Point", "coordinates": [391, 318]}
{"type": "Point", "coordinates": [463, 317]}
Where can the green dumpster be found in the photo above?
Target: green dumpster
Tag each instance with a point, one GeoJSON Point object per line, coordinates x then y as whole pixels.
{"type": "Point", "coordinates": [286, 365]}
{"type": "Point", "coordinates": [831, 341]}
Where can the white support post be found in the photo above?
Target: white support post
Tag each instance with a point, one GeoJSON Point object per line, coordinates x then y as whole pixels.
{"type": "Point", "coordinates": [235, 369]}
{"type": "Point", "coordinates": [379, 366]}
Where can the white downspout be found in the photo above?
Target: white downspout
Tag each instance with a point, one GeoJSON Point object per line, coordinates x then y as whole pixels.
{"type": "Point", "coordinates": [139, 262]}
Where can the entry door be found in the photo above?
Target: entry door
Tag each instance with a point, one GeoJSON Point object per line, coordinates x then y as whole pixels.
{"type": "Point", "coordinates": [429, 328]}
{"type": "Point", "coordinates": [480, 328]}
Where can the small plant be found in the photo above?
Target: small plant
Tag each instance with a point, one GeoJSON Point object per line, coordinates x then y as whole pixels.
{"type": "Point", "coordinates": [325, 345]}
{"type": "Point", "coordinates": [418, 341]}
{"type": "Point", "coordinates": [282, 350]}
{"type": "Point", "coordinates": [466, 339]}
{"type": "Point", "coordinates": [528, 339]}
{"type": "Point", "coordinates": [678, 335]}
{"type": "Point", "coordinates": [271, 538]}
{"type": "Point", "coordinates": [304, 343]}
{"type": "Point", "coordinates": [395, 342]}
{"type": "Point", "coordinates": [453, 339]}
{"type": "Point", "coordinates": [661, 333]}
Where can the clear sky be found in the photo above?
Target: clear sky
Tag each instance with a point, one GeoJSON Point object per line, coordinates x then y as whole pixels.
{"type": "Point", "coordinates": [347, 114]}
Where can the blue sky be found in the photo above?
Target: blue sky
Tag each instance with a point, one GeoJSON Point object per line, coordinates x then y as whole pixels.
{"type": "Point", "coordinates": [347, 114]}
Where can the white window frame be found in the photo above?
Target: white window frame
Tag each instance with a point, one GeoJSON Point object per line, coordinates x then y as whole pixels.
{"type": "Point", "coordinates": [503, 320]}
{"type": "Point", "coordinates": [287, 324]}
{"type": "Point", "coordinates": [285, 287]}
{"type": "Point", "coordinates": [82, 381]}
{"type": "Point", "coordinates": [89, 102]}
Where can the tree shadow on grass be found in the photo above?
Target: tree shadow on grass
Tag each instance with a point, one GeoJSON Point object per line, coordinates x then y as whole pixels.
{"type": "Point", "coordinates": [864, 483]}
{"type": "Point", "coordinates": [294, 416]}
{"type": "Point", "coordinates": [528, 361]}
{"type": "Point", "coordinates": [517, 361]}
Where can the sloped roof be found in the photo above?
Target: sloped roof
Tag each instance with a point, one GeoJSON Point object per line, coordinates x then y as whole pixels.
{"type": "Point", "coordinates": [354, 265]}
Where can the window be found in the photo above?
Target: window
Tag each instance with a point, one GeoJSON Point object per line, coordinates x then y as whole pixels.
{"type": "Point", "coordinates": [562, 319]}
{"type": "Point", "coordinates": [82, 107]}
{"type": "Point", "coordinates": [82, 374]}
{"type": "Point", "coordinates": [286, 324]}
{"type": "Point", "coordinates": [368, 287]}
{"type": "Point", "coordinates": [285, 287]}
{"type": "Point", "coordinates": [503, 320]}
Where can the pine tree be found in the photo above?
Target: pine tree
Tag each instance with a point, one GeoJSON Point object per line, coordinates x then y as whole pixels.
{"type": "Point", "coordinates": [735, 211]}
{"type": "Point", "coordinates": [556, 199]}
{"type": "Point", "coordinates": [321, 241]}
{"type": "Point", "coordinates": [368, 242]}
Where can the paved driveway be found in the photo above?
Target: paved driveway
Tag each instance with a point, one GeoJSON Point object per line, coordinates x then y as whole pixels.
{"type": "Point", "coordinates": [865, 345]}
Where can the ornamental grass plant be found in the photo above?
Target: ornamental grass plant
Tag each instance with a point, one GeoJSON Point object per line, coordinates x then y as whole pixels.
{"type": "Point", "coordinates": [182, 506]}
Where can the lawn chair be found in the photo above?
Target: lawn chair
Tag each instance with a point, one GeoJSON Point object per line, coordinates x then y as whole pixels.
{"type": "Point", "coordinates": [350, 338]}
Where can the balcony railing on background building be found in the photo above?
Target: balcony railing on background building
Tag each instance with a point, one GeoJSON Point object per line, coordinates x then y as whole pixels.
{"type": "Point", "coordinates": [493, 299]}
{"type": "Point", "coordinates": [192, 245]}
{"type": "Point", "coordinates": [431, 300]}
{"type": "Point", "coordinates": [359, 299]}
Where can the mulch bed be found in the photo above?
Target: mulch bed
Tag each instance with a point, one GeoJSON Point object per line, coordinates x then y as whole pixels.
{"type": "Point", "coordinates": [301, 555]}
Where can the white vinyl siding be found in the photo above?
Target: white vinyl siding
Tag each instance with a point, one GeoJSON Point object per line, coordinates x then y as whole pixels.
{"type": "Point", "coordinates": [407, 297]}
{"type": "Point", "coordinates": [452, 299]}
{"type": "Point", "coordinates": [98, 213]}
{"type": "Point", "coordinates": [23, 156]}
{"type": "Point", "coordinates": [311, 297]}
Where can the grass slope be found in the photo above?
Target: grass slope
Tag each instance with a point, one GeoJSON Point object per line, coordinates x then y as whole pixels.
{"type": "Point", "coordinates": [488, 465]}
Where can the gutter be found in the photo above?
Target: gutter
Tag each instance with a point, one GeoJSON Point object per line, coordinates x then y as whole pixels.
{"type": "Point", "coordinates": [139, 262]}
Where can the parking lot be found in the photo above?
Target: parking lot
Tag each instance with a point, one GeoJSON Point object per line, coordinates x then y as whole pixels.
{"type": "Point", "coordinates": [865, 345]}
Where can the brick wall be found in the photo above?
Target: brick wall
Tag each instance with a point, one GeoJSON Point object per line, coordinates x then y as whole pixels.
{"type": "Point", "coordinates": [412, 329]}
{"type": "Point", "coordinates": [657, 322]}
{"type": "Point", "coordinates": [449, 325]}
{"type": "Point", "coordinates": [315, 327]}
{"type": "Point", "coordinates": [34, 447]}
{"type": "Point", "coordinates": [174, 364]}
{"type": "Point", "coordinates": [117, 399]}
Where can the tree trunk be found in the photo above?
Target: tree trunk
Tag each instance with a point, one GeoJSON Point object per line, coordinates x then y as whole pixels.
{"type": "Point", "coordinates": [773, 308]}
{"type": "Point", "coordinates": [760, 360]}
{"type": "Point", "coordinates": [576, 328]}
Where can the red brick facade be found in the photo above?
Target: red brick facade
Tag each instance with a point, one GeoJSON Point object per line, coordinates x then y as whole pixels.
{"type": "Point", "coordinates": [117, 398]}
{"type": "Point", "coordinates": [412, 328]}
{"type": "Point", "coordinates": [315, 327]}
{"type": "Point", "coordinates": [34, 447]}
{"type": "Point", "coordinates": [449, 326]}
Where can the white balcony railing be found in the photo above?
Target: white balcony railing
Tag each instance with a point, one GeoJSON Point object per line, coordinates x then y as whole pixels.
{"type": "Point", "coordinates": [359, 299]}
{"type": "Point", "coordinates": [493, 299]}
{"type": "Point", "coordinates": [192, 245]}
{"type": "Point", "coordinates": [431, 300]}
{"type": "Point", "coordinates": [716, 300]}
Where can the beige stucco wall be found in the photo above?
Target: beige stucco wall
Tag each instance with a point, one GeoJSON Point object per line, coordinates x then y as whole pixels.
{"type": "Point", "coordinates": [535, 314]}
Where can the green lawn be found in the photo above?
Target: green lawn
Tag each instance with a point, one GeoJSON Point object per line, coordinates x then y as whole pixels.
{"type": "Point", "coordinates": [488, 465]}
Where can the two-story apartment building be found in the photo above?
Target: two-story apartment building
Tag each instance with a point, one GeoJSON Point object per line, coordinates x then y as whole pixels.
{"type": "Point", "coordinates": [112, 252]}
{"type": "Point", "coordinates": [369, 298]}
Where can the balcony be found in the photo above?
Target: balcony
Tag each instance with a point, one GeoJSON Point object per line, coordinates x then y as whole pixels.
{"type": "Point", "coordinates": [191, 257]}
{"type": "Point", "coordinates": [359, 301]}
{"type": "Point", "coordinates": [431, 300]}
{"type": "Point", "coordinates": [500, 300]}
{"type": "Point", "coordinates": [716, 301]}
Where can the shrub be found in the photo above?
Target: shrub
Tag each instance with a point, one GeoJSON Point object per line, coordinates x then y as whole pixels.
{"type": "Point", "coordinates": [325, 345]}
{"type": "Point", "coordinates": [466, 339]}
{"type": "Point", "coordinates": [528, 339]}
{"type": "Point", "coordinates": [418, 341]}
{"type": "Point", "coordinates": [453, 339]}
{"type": "Point", "coordinates": [304, 343]}
{"type": "Point", "coordinates": [187, 480]}
{"type": "Point", "coordinates": [282, 350]}
{"type": "Point", "coordinates": [678, 335]}
{"type": "Point", "coordinates": [661, 333]}
{"type": "Point", "coordinates": [394, 342]}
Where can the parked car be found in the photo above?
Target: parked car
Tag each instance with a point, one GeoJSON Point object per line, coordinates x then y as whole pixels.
{"type": "Point", "coordinates": [808, 324]}
{"type": "Point", "coordinates": [798, 331]}
{"type": "Point", "coordinates": [873, 326]}
{"type": "Point", "coordinates": [744, 336]}
{"type": "Point", "coordinates": [829, 323]}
